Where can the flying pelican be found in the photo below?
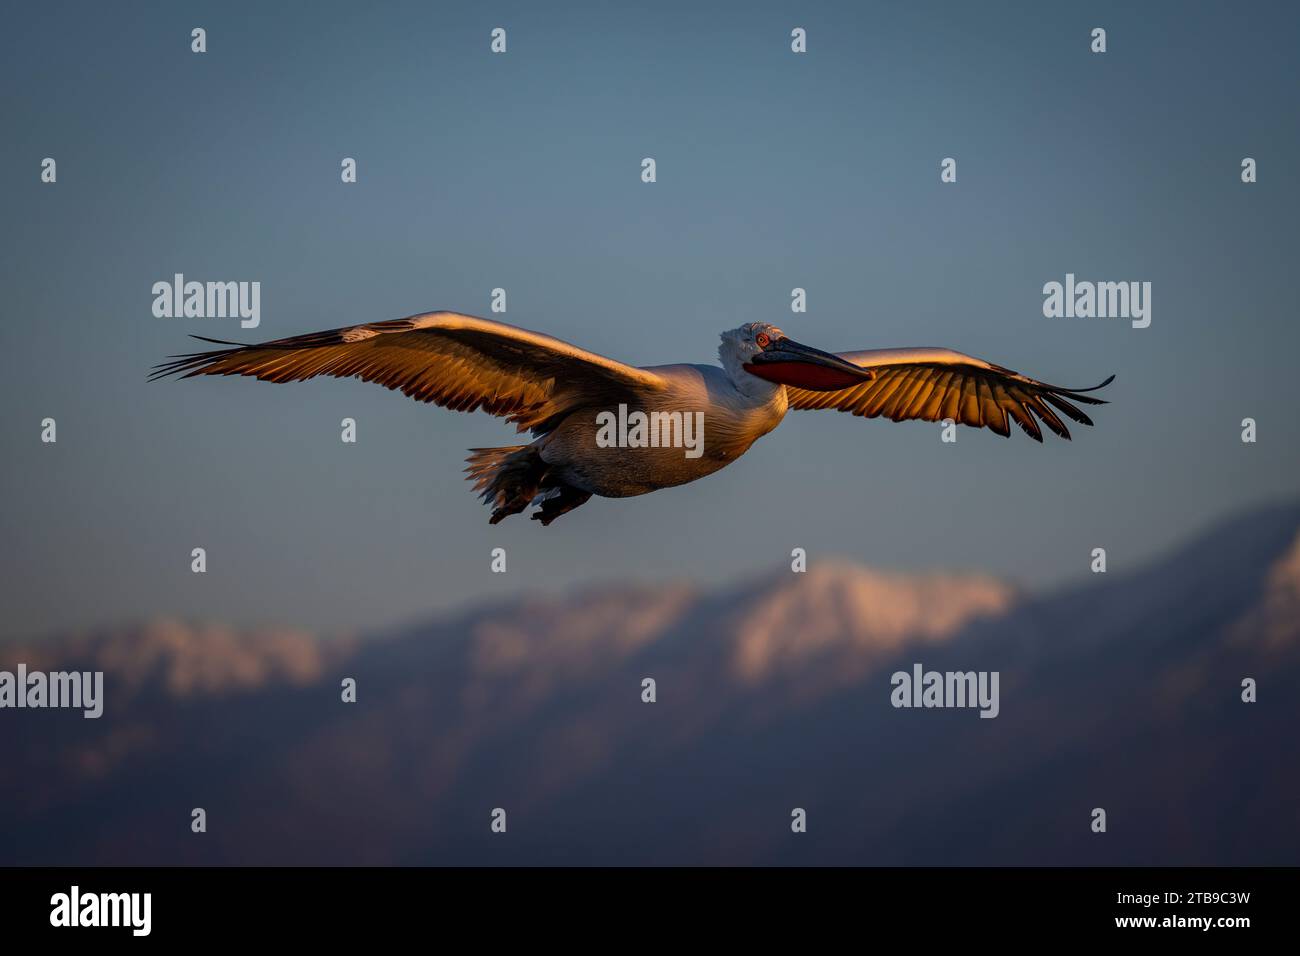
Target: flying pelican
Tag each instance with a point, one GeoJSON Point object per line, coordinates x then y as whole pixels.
{"type": "Point", "coordinates": [558, 392]}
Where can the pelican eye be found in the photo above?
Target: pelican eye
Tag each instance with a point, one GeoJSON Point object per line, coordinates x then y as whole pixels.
{"type": "Point", "coordinates": [763, 340]}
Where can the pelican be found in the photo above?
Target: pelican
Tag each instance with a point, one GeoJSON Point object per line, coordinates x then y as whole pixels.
{"type": "Point", "coordinates": [560, 394]}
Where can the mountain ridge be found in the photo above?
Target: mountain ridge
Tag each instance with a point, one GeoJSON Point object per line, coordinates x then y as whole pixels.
{"type": "Point", "coordinates": [772, 692]}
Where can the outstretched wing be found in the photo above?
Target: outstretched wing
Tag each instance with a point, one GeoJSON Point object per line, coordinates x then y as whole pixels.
{"type": "Point", "coordinates": [457, 361]}
{"type": "Point", "coordinates": [937, 384]}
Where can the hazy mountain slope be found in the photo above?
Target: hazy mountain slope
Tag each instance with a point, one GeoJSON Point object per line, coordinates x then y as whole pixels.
{"type": "Point", "coordinates": [773, 693]}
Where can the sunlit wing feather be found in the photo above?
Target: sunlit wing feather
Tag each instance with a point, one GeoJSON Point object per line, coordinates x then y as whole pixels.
{"type": "Point", "coordinates": [937, 384]}
{"type": "Point", "coordinates": [457, 361]}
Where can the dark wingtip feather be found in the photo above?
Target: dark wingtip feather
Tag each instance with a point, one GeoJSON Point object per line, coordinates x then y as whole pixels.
{"type": "Point", "coordinates": [1064, 406]}
{"type": "Point", "coordinates": [192, 363]}
{"type": "Point", "coordinates": [1078, 393]}
{"type": "Point", "coordinates": [204, 338]}
{"type": "Point", "coordinates": [1035, 432]}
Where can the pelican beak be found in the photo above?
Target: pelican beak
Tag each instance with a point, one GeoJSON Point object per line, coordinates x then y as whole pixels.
{"type": "Point", "coordinates": [789, 363]}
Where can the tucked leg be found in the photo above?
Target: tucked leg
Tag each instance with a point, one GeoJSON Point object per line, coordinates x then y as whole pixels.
{"type": "Point", "coordinates": [565, 501]}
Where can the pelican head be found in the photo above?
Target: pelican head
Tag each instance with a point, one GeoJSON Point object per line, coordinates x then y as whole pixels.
{"type": "Point", "coordinates": [762, 350]}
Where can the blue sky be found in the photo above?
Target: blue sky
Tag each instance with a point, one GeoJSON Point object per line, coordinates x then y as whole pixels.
{"type": "Point", "coordinates": [521, 171]}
